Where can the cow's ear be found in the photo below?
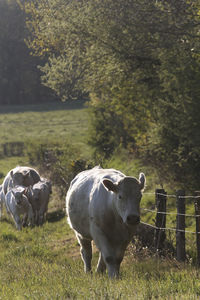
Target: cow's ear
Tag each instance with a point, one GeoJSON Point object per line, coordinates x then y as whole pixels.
{"type": "Point", "coordinates": [110, 185]}
{"type": "Point", "coordinates": [142, 180]}
{"type": "Point", "coordinates": [11, 174]}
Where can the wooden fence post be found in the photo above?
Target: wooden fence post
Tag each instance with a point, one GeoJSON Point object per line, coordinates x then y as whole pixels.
{"type": "Point", "coordinates": [180, 226]}
{"type": "Point", "coordinates": [197, 213]}
{"type": "Point", "coordinates": [159, 234]}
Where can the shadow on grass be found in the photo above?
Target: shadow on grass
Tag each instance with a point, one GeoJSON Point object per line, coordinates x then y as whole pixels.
{"type": "Point", "coordinates": [55, 216]}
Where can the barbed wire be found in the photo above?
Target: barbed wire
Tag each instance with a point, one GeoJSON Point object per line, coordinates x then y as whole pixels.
{"type": "Point", "coordinates": [168, 228]}
{"type": "Point", "coordinates": [168, 213]}
{"type": "Point", "coordinates": [172, 196]}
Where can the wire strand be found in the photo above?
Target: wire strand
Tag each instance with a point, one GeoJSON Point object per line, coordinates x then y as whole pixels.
{"type": "Point", "coordinates": [168, 213]}
{"type": "Point", "coordinates": [168, 228]}
{"type": "Point", "coordinates": [173, 196]}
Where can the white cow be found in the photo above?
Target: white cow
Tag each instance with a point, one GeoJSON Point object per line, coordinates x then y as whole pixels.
{"type": "Point", "coordinates": [17, 204]}
{"type": "Point", "coordinates": [104, 205]}
{"type": "Point", "coordinates": [40, 198]}
{"type": "Point", "coordinates": [23, 176]}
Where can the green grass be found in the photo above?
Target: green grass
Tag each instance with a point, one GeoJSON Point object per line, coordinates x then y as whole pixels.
{"type": "Point", "coordinates": [62, 121]}
{"type": "Point", "coordinates": [44, 262]}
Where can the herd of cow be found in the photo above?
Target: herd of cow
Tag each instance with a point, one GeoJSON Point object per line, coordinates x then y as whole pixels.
{"type": "Point", "coordinates": [25, 192]}
{"type": "Point", "coordinates": [102, 205]}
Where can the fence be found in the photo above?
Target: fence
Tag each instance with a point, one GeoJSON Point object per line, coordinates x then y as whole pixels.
{"type": "Point", "coordinates": [160, 221]}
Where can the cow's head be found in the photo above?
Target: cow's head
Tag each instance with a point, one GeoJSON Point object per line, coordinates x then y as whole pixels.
{"type": "Point", "coordinates": [22, 178]}
{"type": "Point", "coordinates": [19, 194]}
{"type": "Point", "coordinates": [36, 193]}
{"type": "Point", "coordinates": [17, 178]}
{"type": "Point", "coordinates": [128, 193]}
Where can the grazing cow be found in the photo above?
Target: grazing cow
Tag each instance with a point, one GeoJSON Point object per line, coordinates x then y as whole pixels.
{"type": "Point", "coordinates": [40, 198]}
{"type": "Point", "coordinates": [104, 205]}
{"type": "Point", "coordinates": [17, 204]}
{"type": "Point", "coordinates": [23, 176]}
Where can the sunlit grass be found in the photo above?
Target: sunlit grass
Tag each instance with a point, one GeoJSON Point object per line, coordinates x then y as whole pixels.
{"type": "Point", "coordinates": [44, 262]}
{"type": "Point", "coordinates": [66, 123]}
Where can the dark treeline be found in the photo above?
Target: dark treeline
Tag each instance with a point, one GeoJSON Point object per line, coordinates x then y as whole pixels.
{"type": "Point", "coordinates": [19, 76]}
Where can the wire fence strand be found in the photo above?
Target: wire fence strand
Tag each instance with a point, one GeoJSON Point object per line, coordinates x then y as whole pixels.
{"type": "Point", "coordinates": [173, 196]}
{"type": "Point", "coordinates": [170, 213]}
{"type": "Point", "coordinates": [168, 228]}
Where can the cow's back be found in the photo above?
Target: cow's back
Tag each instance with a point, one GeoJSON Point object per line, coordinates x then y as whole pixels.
{"type": "Point", "coordinates": [20, 171]}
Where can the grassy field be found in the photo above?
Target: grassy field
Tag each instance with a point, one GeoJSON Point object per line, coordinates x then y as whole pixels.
{"type": "Point", "coordinates": [61, 121]}
{"type": "Point", "coordinates": [44, 262]}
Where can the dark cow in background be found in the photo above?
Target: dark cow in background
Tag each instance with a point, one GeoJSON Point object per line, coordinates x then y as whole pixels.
{"type": "Point", "coordinates": [104, 205]}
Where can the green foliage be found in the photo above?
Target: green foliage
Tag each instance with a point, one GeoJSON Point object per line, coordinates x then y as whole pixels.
{"type": "Point", "coordinates": [139, 61]}
{"type": "Point", "coordinates": [122, 119]}
{"type": "Point", "coordinates": [173, 140]}
{"type": "Point", "coordinates": [60, 160]}
{"type": "Point", "coordinates": [61, 78]}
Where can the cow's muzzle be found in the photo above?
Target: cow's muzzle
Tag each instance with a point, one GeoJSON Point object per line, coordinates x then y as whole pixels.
{"type": "Point", "coordinates": [132, 220]}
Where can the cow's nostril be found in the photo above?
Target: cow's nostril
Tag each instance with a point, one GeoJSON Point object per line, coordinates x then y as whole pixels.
{"type": "Point", "coordinates": [133, 220]}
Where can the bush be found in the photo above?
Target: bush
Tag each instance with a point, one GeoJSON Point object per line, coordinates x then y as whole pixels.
{"type": "Point", "coordinates": [62, 161]}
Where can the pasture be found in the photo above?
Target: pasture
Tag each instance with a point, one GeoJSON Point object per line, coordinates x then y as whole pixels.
{"type": "Point", "coordinates": [62, 121]}
{"type": "Point", "coordinates": [44, 262]}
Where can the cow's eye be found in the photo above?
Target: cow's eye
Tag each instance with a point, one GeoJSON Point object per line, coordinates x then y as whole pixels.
{"type": "Point", "coordinates": [120, 197]}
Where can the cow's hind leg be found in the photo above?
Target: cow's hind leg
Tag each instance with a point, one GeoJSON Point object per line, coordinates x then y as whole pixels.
{"type": "Point", "coordinates": [101, 266]}
{"type": "Point", "coordinates": [18, 222]}
{"type": "Point", "coordinates": [86, 252]}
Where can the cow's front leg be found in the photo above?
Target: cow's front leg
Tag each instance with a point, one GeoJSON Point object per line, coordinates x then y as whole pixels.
{"type": "Point", "coordinates": [86, 252]}
{"type": "Point", "coordinates": [109, 253]}
{"type": "Point", "coordinates": [18, 222]}
{"type": "Point", "coordinates": [101, 266]}
{"type": "Point", "coordinates": [113, 265]}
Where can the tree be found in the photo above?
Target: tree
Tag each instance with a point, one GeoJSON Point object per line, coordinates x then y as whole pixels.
{"type": "Point", "coordinates": [19, 75]}
{"type": "Point", "coordinates": [139, 61]}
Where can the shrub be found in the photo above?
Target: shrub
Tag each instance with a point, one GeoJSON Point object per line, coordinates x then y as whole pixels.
{"type": "Point", "coordinates": [61, 161]}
